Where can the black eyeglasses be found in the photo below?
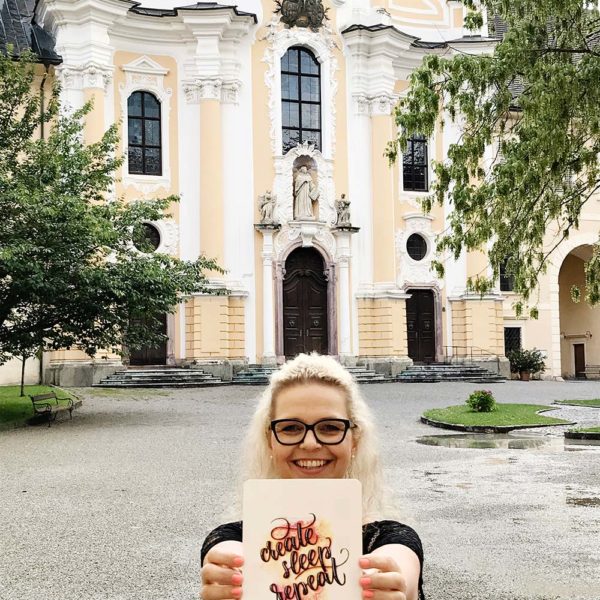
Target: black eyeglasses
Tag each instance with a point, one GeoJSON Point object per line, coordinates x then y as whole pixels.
{"type": "Point", "coordinates": [329, 432]}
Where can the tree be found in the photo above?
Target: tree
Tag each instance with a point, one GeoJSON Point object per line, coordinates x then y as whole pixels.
{"type": "Point", "coordinates": [527, 160]}
{"type": "Point", "coordinates": [70, 273]}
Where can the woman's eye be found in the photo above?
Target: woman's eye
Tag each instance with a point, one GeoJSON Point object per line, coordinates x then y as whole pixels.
{"type": "Point", "coordinates": [291, 429]}
{"type": "Point", "coordinates": [331, 428]}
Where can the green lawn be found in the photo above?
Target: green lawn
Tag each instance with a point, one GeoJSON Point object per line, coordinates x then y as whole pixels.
{"type": "Point", "coordinates": [505, 415]}
{"type": "Point", "coordinates": [595, 402]}
{"type": "Point", "coordinates": [586, 429]}
{"type": "Point", "coordinates": [14, 410]}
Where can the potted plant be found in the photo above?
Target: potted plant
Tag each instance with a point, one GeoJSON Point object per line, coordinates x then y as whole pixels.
{"type": "Point", "coordinates": [526, 362]}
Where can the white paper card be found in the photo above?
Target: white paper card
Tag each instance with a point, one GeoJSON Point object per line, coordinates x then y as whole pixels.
{"type": "Point", "coordinates": [302, 539]}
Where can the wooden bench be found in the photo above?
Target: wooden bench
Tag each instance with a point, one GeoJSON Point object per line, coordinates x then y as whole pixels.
{"type": "Point", "coordinates": [48, 405]}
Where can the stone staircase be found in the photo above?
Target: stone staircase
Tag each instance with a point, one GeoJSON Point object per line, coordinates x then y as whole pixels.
{"type": "Point", "coordinates": [435, 372]}
{"type": "Point", "coordinates": [259, 375]}
{"type": "Point", "coordinates": [160, 377]}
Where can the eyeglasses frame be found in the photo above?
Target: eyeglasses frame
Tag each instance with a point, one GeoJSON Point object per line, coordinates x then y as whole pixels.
{"type": "Point", "coordinates": [347, 423]}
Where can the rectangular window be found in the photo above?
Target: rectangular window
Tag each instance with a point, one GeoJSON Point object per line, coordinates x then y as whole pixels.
{"type": "Point", "coordinates": [512, 339]}
{"type": "Point", "coordinates": [507, 281]}
{"type": "Point", "coordinates": [414, 165]}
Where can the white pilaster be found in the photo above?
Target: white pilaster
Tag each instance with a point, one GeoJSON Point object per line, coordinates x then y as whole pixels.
{"type": "Point", "coordinates": [343, 256]}
{"type": "Point", "coordinates": [268, 294]}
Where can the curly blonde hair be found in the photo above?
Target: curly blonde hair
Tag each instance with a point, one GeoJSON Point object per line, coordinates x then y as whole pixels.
{"type": "Point", "coordinates": [323, 369]}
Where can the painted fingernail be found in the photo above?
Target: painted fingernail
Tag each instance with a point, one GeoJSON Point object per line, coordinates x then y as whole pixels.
{"type": "Point", "coordinates": [238, 561]}
{"type": "Point", "coordinates": [236, 579]}
{"type": "Point", "coordinates": [368, 594]}
{"type": "Point", "coordinates": [236, 592]}
{"type": "Point", "coordinates": [365, 581]}
{"type": "Point", "coordinates": [364, 563]}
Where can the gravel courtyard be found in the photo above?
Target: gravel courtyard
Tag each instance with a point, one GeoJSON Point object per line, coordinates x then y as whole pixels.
{"type": "Point", "coordinates": [115, 503]}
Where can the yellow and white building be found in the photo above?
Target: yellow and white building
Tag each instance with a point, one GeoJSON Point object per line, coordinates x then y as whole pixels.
{"type": "Point", "coordinates": [212, 99]}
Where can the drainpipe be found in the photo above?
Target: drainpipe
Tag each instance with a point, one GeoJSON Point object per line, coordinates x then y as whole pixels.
{"type": "Point", "coordinates": [42, 136]}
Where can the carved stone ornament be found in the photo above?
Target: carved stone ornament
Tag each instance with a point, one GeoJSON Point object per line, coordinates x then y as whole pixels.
{"type": "Point", "coordinates": [323, 45]}
{"type": "Point", "coordinates": [302, 13]}
{"type": "Point", "coordinates": [410, 271]}
{"type": "Point", "coordinates": [86, 76]}
{"type": "Point", "coordinates": [310, 232]}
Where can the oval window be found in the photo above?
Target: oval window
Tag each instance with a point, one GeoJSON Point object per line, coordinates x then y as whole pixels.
{"type": "Point", "coordinates": [146, 237]}
{"type": "Point", "coordinates": [416, 246]}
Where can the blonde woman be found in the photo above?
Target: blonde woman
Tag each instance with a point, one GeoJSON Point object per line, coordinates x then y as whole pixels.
{"type": "Point", "coordinates": [312, 422]}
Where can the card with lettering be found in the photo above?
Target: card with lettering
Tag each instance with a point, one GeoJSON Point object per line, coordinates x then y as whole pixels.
{"type": "Point", "coordinates": [302, 539]}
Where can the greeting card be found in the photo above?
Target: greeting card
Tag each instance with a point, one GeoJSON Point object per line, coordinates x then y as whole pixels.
{"type": "Point", "coordinates": [302, 539]}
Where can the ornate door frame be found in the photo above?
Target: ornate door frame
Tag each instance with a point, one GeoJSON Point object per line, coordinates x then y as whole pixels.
{"type": "Point", "coordinates": [437, 316]}
{"type": "Point", "coordinates": [330, 275]}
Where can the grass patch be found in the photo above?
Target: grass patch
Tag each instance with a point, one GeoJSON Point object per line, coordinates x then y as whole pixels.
{"type": "Point", "coordinates": [15, 410]}
{"type": "Point", "coordinates": [586, 430]}
{"type": "Point", "coordinates": [594, 402]}
{"type": "Point", "coordinates": [511, 415]}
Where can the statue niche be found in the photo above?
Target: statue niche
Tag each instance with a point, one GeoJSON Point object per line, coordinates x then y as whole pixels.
{"type": "Point", "coordinates": [306, 191]}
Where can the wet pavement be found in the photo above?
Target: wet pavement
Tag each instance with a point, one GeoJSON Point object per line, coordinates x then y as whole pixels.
{"type": "Point", "coordinates": [114, 504]}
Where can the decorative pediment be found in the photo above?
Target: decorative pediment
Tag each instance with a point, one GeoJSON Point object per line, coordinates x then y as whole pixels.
{"type": "Point", "coordinates": [146, 65]}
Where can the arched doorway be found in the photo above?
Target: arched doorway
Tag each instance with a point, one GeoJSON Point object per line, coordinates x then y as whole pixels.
{"type": "Point", "coordinates": [305, 290]}
{"type": "Point", "coordinates": [421, 326]}
{"type": "Point", "coordinates": [579, 322]}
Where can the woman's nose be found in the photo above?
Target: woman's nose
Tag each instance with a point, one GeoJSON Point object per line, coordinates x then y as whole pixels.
{"type": "Point", "coordinates": [310, 440]}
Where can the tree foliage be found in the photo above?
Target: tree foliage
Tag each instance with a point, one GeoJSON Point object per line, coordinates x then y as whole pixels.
{"type": "Point", "coordinates": [526, 163]}
{"type": "Point", "coordinates": [70, 274]}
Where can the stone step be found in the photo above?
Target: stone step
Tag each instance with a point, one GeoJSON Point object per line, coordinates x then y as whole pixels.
{"type": "Point", "coordinates": [437, 372]}
{"type": "Point", "coordinates": [160, 377]}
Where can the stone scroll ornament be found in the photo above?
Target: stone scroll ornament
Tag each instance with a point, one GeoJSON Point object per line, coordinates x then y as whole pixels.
{"type": "Point", "coordinates": [302, 539]}
{"type": "Point", "coordinates": [302, 13]}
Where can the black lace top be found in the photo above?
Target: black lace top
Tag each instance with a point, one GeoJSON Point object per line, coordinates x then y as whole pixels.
{"type": "Point", "coordinates": [375, 535]}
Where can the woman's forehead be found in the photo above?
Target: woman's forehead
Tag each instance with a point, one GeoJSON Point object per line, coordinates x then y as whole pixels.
{"type": "Point", "coordinates": [310, 398]}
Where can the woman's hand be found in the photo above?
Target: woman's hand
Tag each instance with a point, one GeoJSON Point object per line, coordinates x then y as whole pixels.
{"type": "Point", "coordinates": [382, 578]}
{"type": "Point", "coordinates": [221, 575]}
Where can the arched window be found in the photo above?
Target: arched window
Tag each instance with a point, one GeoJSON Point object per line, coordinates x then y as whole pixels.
{"type": "Point", "coordinates": [143, 117]}
{"type": "Point", "coordinates": [415, 165]}
{"type": "Point", "coordinates": [300, 98]}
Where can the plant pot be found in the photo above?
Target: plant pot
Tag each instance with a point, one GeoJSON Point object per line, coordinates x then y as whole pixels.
{"type": "Point", "coordinates": [524, 375]}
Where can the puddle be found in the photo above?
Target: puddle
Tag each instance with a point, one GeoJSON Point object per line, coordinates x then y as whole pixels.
{"type": "Point", "coordinates": [507, 441]}
{"type": "Point", "coordinates": [583, 501]}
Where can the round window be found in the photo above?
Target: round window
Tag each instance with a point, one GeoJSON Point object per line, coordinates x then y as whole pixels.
{"type": "Point", "coordinates": [146, 237]}
{"type": "Point", "coordinates": [416, 246]}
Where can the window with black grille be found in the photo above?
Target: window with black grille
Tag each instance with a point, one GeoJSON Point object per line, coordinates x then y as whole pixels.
{"type": "Point", "coordinates": [512, 339]}
{"type": "Point", "coordinates": [415, 165]}
{"type": "Point", "coordinates": [144, 139]}
{"type": "Point", "coordinates": [507, 281]}
{"type": "Point", "coordinates": [416, 246]}
{"type": "Point", "coordinates": [300, 98]}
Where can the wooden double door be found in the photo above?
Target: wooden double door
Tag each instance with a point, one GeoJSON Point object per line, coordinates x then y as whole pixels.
{"type": "Point", "coordinates": [420, 325]}
{"type": "Point", "coordinates": [151, 355]}
{"type": "Point", "coordinates": [304, 303]}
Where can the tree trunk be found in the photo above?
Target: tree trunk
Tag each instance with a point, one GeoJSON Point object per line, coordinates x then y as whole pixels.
{"type": "Point", "coordinates": [23, 359]}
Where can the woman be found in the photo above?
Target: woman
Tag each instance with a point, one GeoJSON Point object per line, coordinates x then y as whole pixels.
{"type": "Point", "coordinates": [312, 422]}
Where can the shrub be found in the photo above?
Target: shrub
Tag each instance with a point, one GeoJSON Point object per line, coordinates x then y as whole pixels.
{"type": "Point", "coordinates": [526, 360]}
{"type": "Point", "coordinates": [481, 401]}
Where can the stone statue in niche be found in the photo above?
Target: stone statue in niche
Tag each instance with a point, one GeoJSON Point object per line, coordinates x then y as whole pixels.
{"type": "Point", "coordinates": [266, 206]}
{"type": "Point", "coordinates": [342, 207]}
{"type": "Point", "coordinates": [306, 192]}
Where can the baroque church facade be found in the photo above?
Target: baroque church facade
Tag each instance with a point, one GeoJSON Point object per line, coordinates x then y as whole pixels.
{"type": "Point", "coordinates": [270, 121]}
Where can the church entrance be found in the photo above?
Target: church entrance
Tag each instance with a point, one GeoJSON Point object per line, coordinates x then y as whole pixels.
{"type": "Point", "coordinates": [151, 355]}
{"type": "Point", "coordinates": [304, 303]}
{"type": "Point", "coordinates": [420, 324]}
